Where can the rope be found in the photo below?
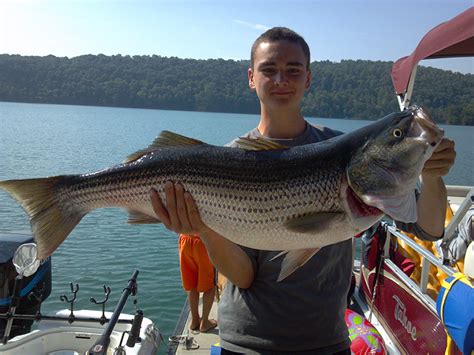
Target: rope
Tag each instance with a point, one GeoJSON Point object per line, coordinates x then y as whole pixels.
{"type": "Point", "coordinates": [188, 342]}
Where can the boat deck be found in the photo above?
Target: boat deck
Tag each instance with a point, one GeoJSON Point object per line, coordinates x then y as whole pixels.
{"type": "Point", "coordinates": [197, 343]}
{"type": "Point", "coordinates": [200, 343]}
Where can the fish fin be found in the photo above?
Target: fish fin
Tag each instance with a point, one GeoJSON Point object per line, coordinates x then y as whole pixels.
{"type": "Point", "coordinates": [279, 254]}
{"type": "Point", "coordinates": [50, 223]}
{"type": "Point", "coordinates": [315, 222]}
{"type": "Point", "coordinates": [135, 217]}
{"type": "Point", "coordinates": [258, 144]}
{"type": "Point", "coordinates": [165, 139]}
{"type": "Point", "coordinates": [293, 260]}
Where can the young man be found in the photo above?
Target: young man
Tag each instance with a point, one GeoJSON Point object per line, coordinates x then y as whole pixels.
{"type": "Point", "coordinates": [305, 312]}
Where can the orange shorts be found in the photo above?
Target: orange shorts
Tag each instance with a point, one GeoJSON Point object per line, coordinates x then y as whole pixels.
{"type": "Point", "coordinates": [197, 272]}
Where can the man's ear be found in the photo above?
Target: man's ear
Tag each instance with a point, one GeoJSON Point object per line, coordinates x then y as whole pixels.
{"type": "Point", "coordinates": [251, 81]}
{"type": "Point", "coordinates": [308, 79]}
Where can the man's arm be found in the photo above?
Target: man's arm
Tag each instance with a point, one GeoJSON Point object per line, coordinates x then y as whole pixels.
{"type": "Point", "coordinates": [431, 205]}
{"type": "Point", "coordinates": [182, 216]}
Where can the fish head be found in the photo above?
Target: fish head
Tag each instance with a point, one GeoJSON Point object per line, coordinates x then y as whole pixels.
{"type": "Point", "coordinates": [384, 172]}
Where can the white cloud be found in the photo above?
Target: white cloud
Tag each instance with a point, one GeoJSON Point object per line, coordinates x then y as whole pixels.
{"type": "Point", "coordinates": [255, 26]}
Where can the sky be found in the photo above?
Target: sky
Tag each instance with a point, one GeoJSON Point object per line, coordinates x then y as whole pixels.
{"type": "Point", "coordinates": [334, 29]}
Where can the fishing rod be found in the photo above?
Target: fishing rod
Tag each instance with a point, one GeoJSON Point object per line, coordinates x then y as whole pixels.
{"type": "Point", "coordinates": [101, 345]}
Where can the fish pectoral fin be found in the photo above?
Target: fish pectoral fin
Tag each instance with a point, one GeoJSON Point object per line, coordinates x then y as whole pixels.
{"type": "Point", "coordinates": [135, 217]}
{"type": "Point", "coordinates": [293, 260]}
{"type": "Point", "coordinates": [165, 139]}
{"type": "Point", "coordinates": [314, 222]}
{"type": "Point", "coordinates": [258, 144]}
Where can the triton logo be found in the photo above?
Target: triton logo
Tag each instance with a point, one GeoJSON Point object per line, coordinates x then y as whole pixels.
{"type": "Point", "coordinates": [98, 348]}
{"type": "Point", "coordinates": [400, 315]}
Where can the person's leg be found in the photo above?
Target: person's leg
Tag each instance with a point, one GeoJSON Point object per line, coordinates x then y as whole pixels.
{"type": "Point", "coordinates": [207, 301]}
{"type": "Point", "coordinates": [193, 297]}
{"type": "Point", "coordinates": [189, 277]}
{"type": "Point", "coordinates": [206, 284]}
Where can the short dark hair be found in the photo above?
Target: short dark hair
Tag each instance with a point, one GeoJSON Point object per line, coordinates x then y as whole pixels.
{"type": "Point", "coordinates": [280, 34]}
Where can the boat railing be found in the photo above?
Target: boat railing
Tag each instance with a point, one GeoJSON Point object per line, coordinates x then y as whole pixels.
{"type": "Point", "coordinates": [428, 258]}
{"type": "Point", "coordinates": [459, 191]}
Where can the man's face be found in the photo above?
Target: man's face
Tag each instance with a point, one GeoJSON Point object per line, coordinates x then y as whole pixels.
{"type": "Point", "coordinates": [279, 74]}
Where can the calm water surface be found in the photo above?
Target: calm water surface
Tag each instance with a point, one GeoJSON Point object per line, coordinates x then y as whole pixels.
{"type": "Point", "coordinates": [43, 140]}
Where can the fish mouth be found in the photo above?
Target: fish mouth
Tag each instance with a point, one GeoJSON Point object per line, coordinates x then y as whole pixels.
{"type": "Point", "coordinates": [424, 127]}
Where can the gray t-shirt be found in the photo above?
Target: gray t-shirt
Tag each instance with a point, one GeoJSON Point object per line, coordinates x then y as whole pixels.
{"type": "Point", "coordinates": [304, 312]}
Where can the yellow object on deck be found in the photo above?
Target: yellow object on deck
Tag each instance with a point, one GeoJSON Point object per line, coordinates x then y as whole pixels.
{"type": "Point", "coordinates": [458, 321]}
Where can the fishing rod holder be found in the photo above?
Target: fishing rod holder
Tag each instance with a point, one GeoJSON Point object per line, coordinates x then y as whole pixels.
{"type": "Point", "coordinates": [107, 291]}
{"type": "Point", "coordinates": [37, 295]}
{"type": "Point", "coordinates": [35, 315]}
{"type": "Point", "coordinates": [30, 285]}
{"type": "Point", "coordinates": [64, 298]}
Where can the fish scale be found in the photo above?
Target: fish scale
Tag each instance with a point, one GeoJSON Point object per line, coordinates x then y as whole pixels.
{"type": "Point", "coordinates": [286, 199]}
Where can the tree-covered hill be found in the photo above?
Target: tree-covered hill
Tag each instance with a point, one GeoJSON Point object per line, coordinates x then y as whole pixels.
{"type": "Point", "coordinates": [349, 89]}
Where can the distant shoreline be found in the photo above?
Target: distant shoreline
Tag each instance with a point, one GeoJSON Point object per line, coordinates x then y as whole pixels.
{"type": "Point", "coordinates": [349, 89]}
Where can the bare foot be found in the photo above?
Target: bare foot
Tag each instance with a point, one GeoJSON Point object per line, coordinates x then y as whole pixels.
{"type": "Point", "coordinates": [207, 325]}
{"type": "Point", "coordinates": [195, 324]}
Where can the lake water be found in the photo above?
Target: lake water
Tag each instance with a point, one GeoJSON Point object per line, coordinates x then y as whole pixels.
{"type": "Point", "coordinates": [44, 140]}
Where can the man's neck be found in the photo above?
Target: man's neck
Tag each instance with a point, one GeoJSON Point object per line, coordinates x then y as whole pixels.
{"type": "Point", "coordinates": [281, 124]}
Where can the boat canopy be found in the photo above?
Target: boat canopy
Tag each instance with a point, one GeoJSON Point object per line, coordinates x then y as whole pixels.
{"type": "Point", "coordinates": [453, 38]}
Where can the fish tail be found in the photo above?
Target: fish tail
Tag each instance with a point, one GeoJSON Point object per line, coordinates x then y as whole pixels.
{"type": "Point", "coordinates": [50, 223]}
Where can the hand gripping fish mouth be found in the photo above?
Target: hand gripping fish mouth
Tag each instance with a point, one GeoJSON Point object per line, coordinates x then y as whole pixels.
{"type": "Point", "coordinates": [425, 128]}
{"type": "Point", "coordinates": [412, 142]}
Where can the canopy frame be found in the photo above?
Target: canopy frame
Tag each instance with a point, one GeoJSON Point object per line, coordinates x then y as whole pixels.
{"type": "Point", "coordinates": [453, 38]}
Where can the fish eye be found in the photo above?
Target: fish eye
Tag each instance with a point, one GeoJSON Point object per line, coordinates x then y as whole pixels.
{"type": "Point", "coordinates": [397, 133]}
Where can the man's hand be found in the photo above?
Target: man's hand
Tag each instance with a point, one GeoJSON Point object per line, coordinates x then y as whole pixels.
{"type": "Point", "coordinates": [441, 160]}
{"type": "Point", "coordinates": [431, 204]}
{"type": "Point", "coordinates": [180, 214]}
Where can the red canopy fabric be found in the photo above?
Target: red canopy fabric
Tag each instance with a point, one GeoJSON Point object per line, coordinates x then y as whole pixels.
{"type": "Point", "coordinates": [453, 38]}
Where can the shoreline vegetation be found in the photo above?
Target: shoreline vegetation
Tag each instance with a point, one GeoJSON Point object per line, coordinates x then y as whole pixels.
{"type": "Point", "coordinates": [355, 89]}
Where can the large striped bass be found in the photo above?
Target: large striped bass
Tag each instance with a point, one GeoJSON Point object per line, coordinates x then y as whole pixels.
{"type": "Point", "coordinates": [264, 196]}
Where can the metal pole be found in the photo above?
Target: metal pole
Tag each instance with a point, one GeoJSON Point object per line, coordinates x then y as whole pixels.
{"type": "Point", "coordinates": [13, 305]}
{"type": "Point", "coordinates": [101, 345]}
